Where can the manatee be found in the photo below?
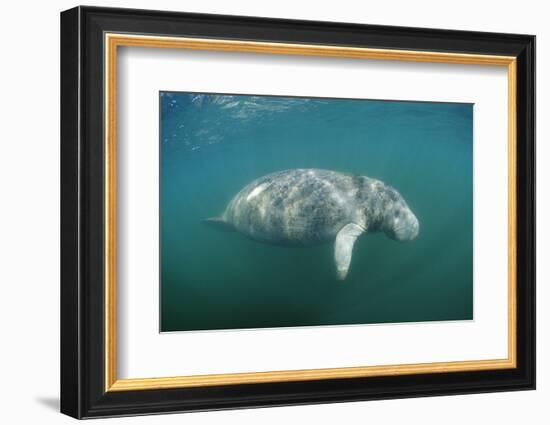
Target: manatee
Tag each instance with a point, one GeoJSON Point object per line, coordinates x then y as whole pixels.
{"type": "Point", "coordinates": [313, 206]}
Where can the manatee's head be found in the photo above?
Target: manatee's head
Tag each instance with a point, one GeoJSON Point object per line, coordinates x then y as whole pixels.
{"type": "Point", "coordinates": [399, 222]}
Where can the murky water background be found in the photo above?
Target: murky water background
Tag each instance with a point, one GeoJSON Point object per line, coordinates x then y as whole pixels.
{"type": "Point", "coordinates": [213, 145]}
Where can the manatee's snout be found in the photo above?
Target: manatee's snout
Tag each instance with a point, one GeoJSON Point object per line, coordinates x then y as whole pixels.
{"type": "Point", "coordinates": [404, 225]}
{"type": "Point", "coordinates": [414, 228]}
{"type": "Point", "coordinates": [407, 227]}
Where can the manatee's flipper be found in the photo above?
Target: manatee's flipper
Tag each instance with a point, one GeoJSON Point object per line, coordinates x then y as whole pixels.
{"type": "Point", "coordinates": [218, 223]}
{"type": "Point", "coordinates": [343, 248]}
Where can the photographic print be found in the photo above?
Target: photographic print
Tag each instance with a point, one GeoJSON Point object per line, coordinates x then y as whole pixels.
{"type": "Point", "coordinates": [283, 211]}
{"type": "Point", "coordinates": [323, 216]}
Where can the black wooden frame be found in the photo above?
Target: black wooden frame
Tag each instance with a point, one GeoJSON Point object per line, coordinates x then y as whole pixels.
{"type": "Point", "coordinates": [82, 218]}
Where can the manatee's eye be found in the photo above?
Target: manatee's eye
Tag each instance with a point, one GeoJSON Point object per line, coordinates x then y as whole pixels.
{"type": "Point", "coordinates": [396, 213]}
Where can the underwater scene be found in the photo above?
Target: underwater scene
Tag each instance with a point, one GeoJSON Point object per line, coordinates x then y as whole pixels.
{"type": "Point", "coordinates": [299, 211]}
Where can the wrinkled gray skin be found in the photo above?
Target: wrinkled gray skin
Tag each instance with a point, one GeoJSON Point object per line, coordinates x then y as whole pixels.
{"type": "Point", "coordinates": [311, 206]}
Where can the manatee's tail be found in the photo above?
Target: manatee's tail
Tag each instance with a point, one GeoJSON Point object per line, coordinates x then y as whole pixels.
{"type": "Point", "coordinates": [218, 222]}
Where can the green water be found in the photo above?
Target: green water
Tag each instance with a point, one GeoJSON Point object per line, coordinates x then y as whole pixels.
{"type": "Point", "coordinates": [213, 145]}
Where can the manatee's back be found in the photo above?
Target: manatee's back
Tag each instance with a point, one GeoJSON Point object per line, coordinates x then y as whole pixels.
{"type": "Point", "coordinates": [299, 206]}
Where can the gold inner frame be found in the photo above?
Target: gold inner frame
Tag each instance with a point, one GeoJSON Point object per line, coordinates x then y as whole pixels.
{"type": "Point", "coordinates": [113, 41]}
